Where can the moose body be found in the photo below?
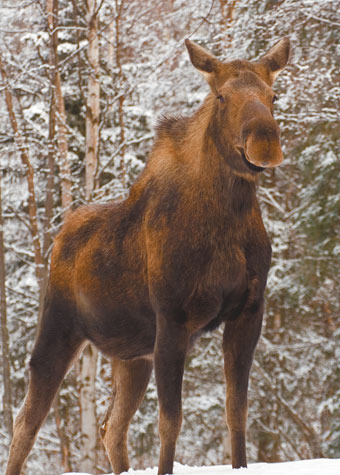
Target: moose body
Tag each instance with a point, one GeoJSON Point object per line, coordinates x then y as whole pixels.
{"type": "Point", "coordinates": [184, 253]}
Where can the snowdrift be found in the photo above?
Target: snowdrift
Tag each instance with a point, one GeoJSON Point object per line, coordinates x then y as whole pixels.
{"type": "Point", "coordinates": [301, 467]}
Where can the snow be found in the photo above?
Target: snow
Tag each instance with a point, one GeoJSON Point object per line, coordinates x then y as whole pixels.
{"type": "Point", "coordinates": [301, 467]}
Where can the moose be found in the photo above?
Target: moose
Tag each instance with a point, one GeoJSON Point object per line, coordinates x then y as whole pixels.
{"type": "Point", "coordinates": [187, 251]}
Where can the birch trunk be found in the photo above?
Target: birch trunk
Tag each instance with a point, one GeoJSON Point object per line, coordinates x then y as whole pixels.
{"type": "Point", "coordinates": [92, 106]}
{"type": "Point", "coordinates": [7, 395]}
{"type": "Point", "coordinates": [50, 191]}
{"type": "Point", "coordinates": [88, 419]}
{"type": "Point", "coordinates": [118, 18]}
{"type": "Point", "coordinates": [56, 104]}
{"type": "Point", "coordinates": [49, 200]}
{"type": "Point", "coordinates": [88, 363]}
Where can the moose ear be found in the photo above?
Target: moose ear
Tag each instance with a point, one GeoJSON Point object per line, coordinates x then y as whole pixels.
{"type": "Point", "coordinates": [205, 62]}
{"type": "Point", "coordinates": [277, 58]}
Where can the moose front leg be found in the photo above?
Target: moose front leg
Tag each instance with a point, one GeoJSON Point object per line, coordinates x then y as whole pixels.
{"type": "Point", "coordinates": [169, 358]}
{"type": "Point", "coordinates": [239, 342]}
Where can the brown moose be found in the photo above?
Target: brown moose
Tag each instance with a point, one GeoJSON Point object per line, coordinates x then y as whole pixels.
{"type": "Point", "coordinates": [186, 252]}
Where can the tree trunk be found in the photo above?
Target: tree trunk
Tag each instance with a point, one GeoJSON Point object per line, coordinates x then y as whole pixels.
{"type": "Point", "coordinates": [88, 418]}
{"type": "Point", "coordinates": [66, 197]}
{"type": "Point", "coordinates": [49, 201]}
{"type": "Point", "coordinates": [64, 165]}
{"type": "Point", "coordinates": [50, 190]}
{"type": "Point", "coordinates": [64, 441]}
{"type": "Point", "coordinates": [88, 363]}
{"type": "Point", "coordinates": [118, 17]}
{"type": "Point", "coordinates": [7, 396]}
{"type": "Point", "coordinates": [92, 107]}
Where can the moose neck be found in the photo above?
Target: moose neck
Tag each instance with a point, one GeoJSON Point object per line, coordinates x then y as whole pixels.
{"type": "Point", "coordinates": [217, 164]}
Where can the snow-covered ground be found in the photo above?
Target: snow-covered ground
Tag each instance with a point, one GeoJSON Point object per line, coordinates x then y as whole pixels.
{"type": "Point", "coordinates": [301, 467]}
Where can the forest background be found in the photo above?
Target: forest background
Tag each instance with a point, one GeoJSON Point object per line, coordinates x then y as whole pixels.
{"type": "Point", "coordinates": [82, 85]}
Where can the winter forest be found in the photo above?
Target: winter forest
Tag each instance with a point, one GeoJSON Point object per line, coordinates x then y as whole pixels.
{"type": "Point", "coordinates": [82, 85]}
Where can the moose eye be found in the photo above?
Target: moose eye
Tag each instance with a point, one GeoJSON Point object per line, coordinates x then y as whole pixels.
{"type": "Point", "coordinates": [221, 98]}
{"type": "Point", "coordinates": [275, 98]}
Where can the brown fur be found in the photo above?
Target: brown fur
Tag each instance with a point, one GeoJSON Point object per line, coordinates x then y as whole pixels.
{"type": "Point", "coordinates": [187, 251]}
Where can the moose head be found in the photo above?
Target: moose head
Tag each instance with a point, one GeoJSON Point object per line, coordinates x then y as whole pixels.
{"type": "Point", "coordinates": [244, 105]}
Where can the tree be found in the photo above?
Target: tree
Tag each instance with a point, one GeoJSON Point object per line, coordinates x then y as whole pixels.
{"type": "Point", "coordinates": [64, 165]}
{"type": "Point", "coordinates": [88, 362]}
{"type": "Point", "coordinates": [7, 395]}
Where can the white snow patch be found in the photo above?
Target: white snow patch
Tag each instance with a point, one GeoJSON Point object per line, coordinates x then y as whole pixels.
{"type": "Point", "coordinates": [301, 467]}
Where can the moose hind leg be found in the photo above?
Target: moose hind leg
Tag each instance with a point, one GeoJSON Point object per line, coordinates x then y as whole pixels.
{"type": "Point", "coordinates": [239, 342]}
{"type": "Point", "coordinates": [130, 380]}
{"type": "Point", "coordinates": [52, 355]}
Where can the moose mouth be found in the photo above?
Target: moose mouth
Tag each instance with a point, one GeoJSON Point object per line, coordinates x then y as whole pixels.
{"type": "Point", "coordinates": [251, 166]}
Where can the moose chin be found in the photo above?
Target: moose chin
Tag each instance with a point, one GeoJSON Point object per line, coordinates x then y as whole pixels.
{"type": "Point", "coordinates": [187, 251]}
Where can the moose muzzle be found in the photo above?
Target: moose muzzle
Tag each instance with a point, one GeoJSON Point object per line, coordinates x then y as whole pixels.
{"type": "Point", "coordinates": [261, 140]}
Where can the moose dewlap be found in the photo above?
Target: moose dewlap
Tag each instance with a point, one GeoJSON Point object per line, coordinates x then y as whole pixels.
{"type": "Point", "coordinates": [186, 252]}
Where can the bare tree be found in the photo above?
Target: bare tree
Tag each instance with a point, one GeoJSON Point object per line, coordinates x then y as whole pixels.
{"type": "Point", "coordinates": [7, 396]}
{"type": "Point", "coordinates": [88, 362]}
{"type": "Point", "coordinates": [93, 96]}
{"type": "Point", "coordinates": [57, 118]}
{"type": "Point", "coordinates": [64, 164]}
{"type": "Point", "coordinates": [119, 5]}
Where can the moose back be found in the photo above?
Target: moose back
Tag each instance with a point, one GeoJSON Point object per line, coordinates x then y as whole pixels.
{"type": "Point", "coordinates": [185, 252]}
